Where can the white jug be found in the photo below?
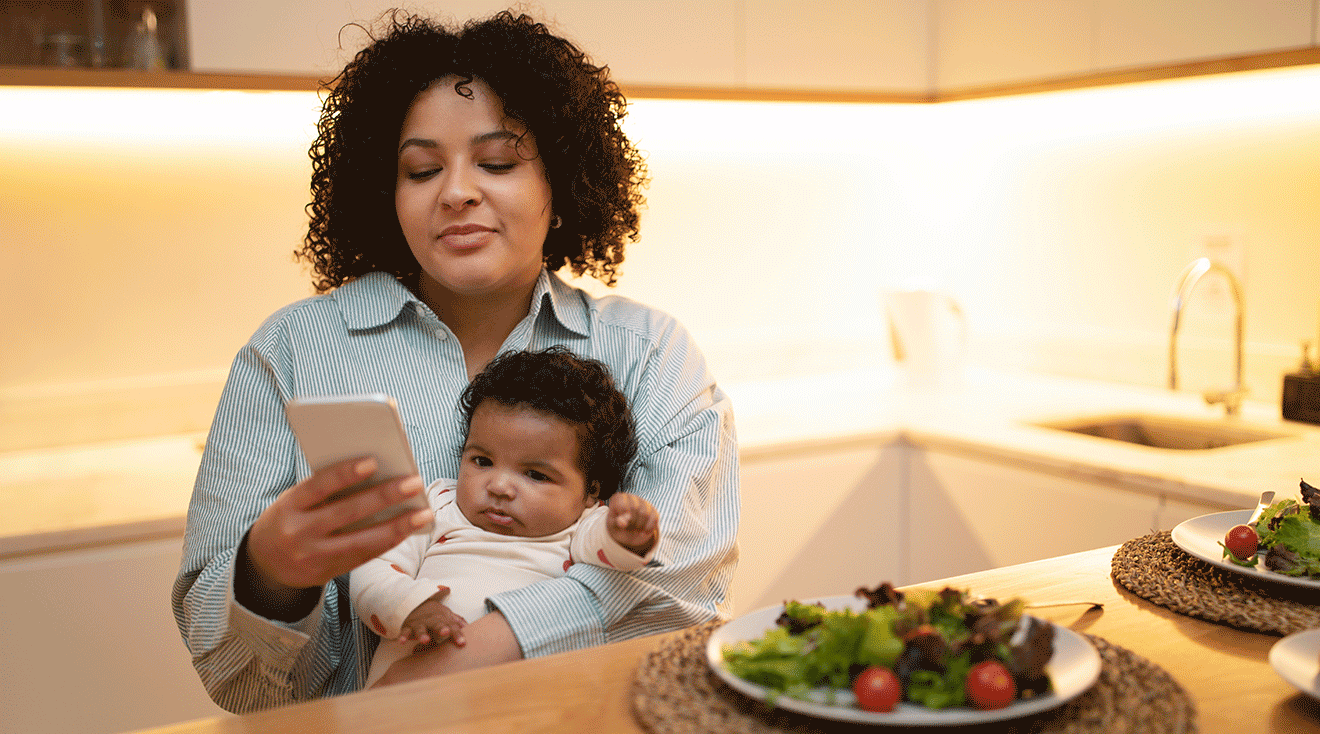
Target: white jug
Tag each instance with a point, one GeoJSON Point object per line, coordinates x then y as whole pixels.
{"type": "Point", "coordinates": [929, 335]}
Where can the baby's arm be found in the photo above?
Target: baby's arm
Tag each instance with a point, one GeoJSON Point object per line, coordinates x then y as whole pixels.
{"type": "Point", "coordinates": [612, 536]}
{"type": "Point", "coordinates": [386, 590]}
{"type": "Point", "coordinates": [432, 621]}
{"type": "Point", "coordinates": [633, 523]}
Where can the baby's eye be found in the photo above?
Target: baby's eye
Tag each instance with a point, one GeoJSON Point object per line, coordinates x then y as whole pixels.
{"type": "Point", "coordinates": [537, 476]}
{"type": "Point", "coordinates": [482, 461]}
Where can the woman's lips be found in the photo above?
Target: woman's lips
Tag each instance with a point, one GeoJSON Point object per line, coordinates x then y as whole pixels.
{"type": "Point", "coordinates": [465, 236]}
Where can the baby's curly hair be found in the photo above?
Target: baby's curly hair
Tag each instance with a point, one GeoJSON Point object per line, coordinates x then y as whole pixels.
{"type": "Point", "coordinates": [577, 390]}
{"type": "Point", "coordinates": [571, 106]}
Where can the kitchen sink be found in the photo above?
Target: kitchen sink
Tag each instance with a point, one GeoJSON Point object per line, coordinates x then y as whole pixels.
{"type": "Point", "coordinates": [1164, 432]}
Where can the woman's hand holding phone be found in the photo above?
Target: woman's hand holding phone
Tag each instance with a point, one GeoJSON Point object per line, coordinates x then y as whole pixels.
{"type": "Point", "coordinates": [297, 545]}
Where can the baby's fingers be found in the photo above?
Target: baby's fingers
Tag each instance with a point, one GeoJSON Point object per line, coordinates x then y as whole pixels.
{"type": "Point", "coordinates": [636, 521]}
{"type": "Point", "coordinates": [624, 518]}
{"type": "Point", "coordinates": [420, 637]}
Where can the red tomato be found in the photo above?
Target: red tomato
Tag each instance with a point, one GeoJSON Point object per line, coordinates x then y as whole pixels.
{"type": "Point", "coordinates": [990, 686]}
{"type": "Point", "coordinates": [877, 689]}
{"type": "Point", "coordinates": [1241, 541]}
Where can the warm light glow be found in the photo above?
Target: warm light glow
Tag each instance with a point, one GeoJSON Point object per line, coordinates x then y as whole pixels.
{"type": "Point", "coordinates": [171, 116]}
{"type": "Point", "coordinates": [1255, 97]}
{"type": "Point", "coordinates": [115, 117]}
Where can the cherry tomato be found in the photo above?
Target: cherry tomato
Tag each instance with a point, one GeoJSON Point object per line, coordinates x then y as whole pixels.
{"type": "Point", "coordinates": [990, 686]}
{"type": "Point", "coordinates": [1241, 541]}
{"type": "Point", "coordinates": [877, 689]}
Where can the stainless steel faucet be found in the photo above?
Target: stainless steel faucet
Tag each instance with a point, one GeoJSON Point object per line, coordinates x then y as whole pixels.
{"type": "Point", "coordinates": [1230, 397]}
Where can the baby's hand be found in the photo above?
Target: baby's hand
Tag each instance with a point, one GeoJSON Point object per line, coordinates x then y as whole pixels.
{"type": "Point", "coordinates": [432, 622]}
{"type": "Point", "coordinates": [633, 523]}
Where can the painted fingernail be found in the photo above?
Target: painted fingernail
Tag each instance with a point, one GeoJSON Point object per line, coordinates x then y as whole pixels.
{"type": "Point", "coordinates": [366, 466]}
{"type": "Point", "coordinates": [420, 518]}
{"type": "Point", "coordinates": [411, 485]}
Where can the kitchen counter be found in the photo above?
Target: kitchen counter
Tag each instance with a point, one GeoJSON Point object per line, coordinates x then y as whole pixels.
{"type": "Point", "coordinates": [79, 496]}
{"type": "Point", "coordinates": [1225, 671]}
{"type": "Point", "coordinates": [990, 414]}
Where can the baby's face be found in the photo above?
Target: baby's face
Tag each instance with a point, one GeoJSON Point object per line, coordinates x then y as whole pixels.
{"type": "Point", "coordinates": [519, 473]}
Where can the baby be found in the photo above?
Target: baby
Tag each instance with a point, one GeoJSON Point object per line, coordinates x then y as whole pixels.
{"type": "Point", "coordinates": [548, 440]}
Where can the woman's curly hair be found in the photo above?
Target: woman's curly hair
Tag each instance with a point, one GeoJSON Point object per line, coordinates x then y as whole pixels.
{"type": "Point", "coordinates": [545, 83]}
{"type": "Point", "coordinates": [578, 391]}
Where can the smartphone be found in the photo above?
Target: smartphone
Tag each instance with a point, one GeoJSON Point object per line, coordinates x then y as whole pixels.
{"type": "Point", "coordinates": [332, 428]}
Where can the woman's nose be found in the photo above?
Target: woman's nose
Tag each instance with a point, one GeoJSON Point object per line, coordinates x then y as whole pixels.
{"type": "Point", "coordinates": [459, 189]}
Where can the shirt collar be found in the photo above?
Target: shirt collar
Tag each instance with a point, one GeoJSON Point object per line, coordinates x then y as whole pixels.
{"type": "Point", "coordinates": [372, 300]}
{"type": "Point", "coordinates": [377, 298]}
{"type": "Point", "coordinates": [568, 305]}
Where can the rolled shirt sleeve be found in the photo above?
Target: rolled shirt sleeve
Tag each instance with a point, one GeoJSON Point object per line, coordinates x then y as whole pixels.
{"type": "Point", "coordinates": [247, 661]}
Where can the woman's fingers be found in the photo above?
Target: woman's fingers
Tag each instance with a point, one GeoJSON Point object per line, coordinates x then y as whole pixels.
{"type": "Point", "coordinates": [322, 485]}
{"type": "Point", "coordinates": [352, 549]}
{"type": "Point", "coordinates": [294, 543]}
{"type": "Point", "coordinates": [334, 516]}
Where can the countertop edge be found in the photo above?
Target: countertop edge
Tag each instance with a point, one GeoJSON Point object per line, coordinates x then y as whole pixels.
{"type": "Point", "coordinates": [83, 538]}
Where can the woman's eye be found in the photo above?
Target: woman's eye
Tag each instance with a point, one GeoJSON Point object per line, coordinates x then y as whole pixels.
{"type": "Point", "coordinates": [498, 167]}
{"type": "Point", "coordinates": [423, 174]}
{"type": "Point", "coordinates": [537, 476]}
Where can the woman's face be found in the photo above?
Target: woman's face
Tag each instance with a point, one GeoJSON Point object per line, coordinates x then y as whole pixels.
{"type": "Point", "coordinates": [519, 473]}
{"type": "Point", "coordinates": [472, 196]}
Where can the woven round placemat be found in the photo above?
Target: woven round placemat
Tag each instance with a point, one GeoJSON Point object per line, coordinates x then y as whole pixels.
{"type": "Point", "coordinates": [1156, 569]}
{"type": "Point", "coordinates": [675, 692]}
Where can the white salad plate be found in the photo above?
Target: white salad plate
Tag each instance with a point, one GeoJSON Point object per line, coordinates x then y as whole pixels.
{"type": "Point", "coordinates": [1074, 668]}
{"type": "Point", "coordinates": [1201, 537]}
{"type": "Point", "coordinates": [1296, 658]}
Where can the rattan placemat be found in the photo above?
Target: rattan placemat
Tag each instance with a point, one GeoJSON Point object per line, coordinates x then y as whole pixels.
{"type": "Point", "coordinates": [675, 692]}
{"type": "Point", "coordinates": [1154, 568]}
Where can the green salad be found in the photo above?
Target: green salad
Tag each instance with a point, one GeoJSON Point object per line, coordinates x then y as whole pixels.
{"type": "Point", "coordinates": [942, 648]}
{"type": "Point", "coordinates": [1287, 537]}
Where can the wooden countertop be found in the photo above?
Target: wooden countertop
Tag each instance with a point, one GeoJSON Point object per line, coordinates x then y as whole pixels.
{"type": "Point", "coordinates": [1226, 671]}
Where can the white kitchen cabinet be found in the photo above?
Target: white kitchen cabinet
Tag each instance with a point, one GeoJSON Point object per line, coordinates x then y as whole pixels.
{"type": "Point", "coordinates": [1136, 33]}
{"type": "Point", "coordinates": [987, 42]}
{"type": "Point", "coordinates": [819, 521]}
{"type": "Point", "coordinates": [990, 42]}
{"type": "Point", "coordinates": [858, 45]}
{"type": "Point", "coordinates": [828, 519]}
{"type": "Point", "coordinates": [90, 645]}
{"type": "Point", "coordinates": [1174, 510]}
{"type": "Point", "coordinates": [842, 45]}
{"type": "Point", "coordinates": [676, 42]}
{"type": "Point", "coordinates": [971, 514]}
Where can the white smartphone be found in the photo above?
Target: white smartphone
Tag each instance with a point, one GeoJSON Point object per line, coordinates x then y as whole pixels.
{"type": "Point", "coordinates": [332, 428]}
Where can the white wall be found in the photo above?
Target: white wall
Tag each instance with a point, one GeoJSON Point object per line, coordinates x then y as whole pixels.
{"type": "Point", "coordinates": [146, 234]}
{"type": "Point", "coordinates": [1061, 221]}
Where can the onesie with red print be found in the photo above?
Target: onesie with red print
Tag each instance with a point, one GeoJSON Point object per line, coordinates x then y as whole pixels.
{"type": "Point", "coordinates": [473, 564]}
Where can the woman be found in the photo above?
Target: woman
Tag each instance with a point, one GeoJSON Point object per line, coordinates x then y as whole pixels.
{"type": "Point", "coordinates": [453, 173]}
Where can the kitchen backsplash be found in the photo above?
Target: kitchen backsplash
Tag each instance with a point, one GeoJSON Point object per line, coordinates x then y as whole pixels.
{"type": "Point", "coordinates": [147, 234]}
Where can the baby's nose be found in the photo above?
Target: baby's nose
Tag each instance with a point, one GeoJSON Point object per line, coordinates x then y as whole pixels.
{"type": "Point", "coordinates": [501, 486]}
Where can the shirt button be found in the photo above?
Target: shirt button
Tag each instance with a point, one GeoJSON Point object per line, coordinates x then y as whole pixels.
{"type": "Point", "coordinates": [440, 334]}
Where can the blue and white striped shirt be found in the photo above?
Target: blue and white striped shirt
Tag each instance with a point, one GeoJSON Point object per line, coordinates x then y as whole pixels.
{"type": "Point", "coordinates": [374, 335]}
